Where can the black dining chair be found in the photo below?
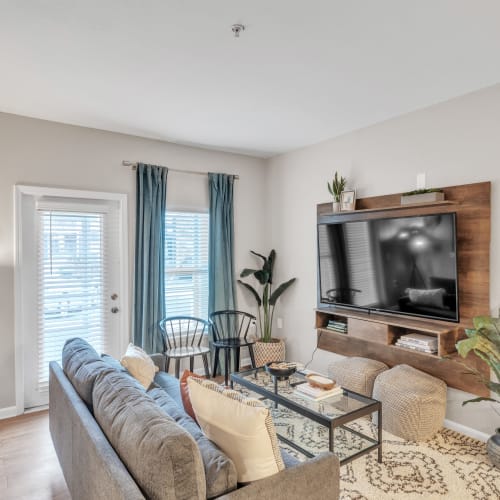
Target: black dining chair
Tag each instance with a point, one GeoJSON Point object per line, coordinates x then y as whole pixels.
{"type": "Point", "coordinates": [230, 331]}
{"type": "Point", "coordinates": [182, 338]}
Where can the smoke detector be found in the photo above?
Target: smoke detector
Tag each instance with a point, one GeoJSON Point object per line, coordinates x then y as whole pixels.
{"type": "Point", "coordinates": [237, 29]}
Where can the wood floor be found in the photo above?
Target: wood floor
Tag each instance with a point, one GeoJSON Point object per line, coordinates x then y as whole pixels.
{"type": "Point", "coordinates": [29, 468]}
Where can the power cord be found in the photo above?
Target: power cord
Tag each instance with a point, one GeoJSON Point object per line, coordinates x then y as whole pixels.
{"type": "Point", "coordinates": [314, 352]}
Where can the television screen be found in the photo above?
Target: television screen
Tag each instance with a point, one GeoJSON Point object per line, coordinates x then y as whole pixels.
{"type": "Point", "coordinates": [404, 265]}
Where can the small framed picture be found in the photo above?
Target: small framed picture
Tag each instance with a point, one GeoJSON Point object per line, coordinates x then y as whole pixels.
{"type": "Point", "coordinates": [348, 200]}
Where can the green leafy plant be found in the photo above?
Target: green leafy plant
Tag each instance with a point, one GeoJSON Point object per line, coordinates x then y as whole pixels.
{"type": "Point", "coordinates": [484, 341]}
{"type": "Point", "coordinates": [337, 186]}
{"type": "Point", "coordinates": [423, 191]}
{"type": "Point", "coordinates": [267, 298]}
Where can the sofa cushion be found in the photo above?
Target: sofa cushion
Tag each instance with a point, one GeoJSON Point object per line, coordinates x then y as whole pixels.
{"type": "Point", "coordinates": [170, 385]}
{"type": "Point", "coordinates": [139, 365]}
{"type": "Point", "coordinates": [241, 427]}
{"type": "Point", "coordinates": [220, 472]}
{"type": "Point", "coordinates": [186, 400]}
{"type": "Point", "coordinates": [82, 364]}
{"type": "Point", "coordinates": [162, 457]}
{"type": "Point", "coordinates": [114, 363]}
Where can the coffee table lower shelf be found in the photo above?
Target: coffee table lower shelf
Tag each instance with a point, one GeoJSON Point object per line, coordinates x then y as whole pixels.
{"type": "Point", "coordinates": [322, 413]}
{"type": "Point", "coordinates": [371, 445]}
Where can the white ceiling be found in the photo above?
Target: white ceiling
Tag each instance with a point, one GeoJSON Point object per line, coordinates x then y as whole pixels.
{"type": "Point", "coordinates": [303, 71]}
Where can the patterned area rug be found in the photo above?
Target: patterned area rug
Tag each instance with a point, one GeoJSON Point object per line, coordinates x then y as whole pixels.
{"type": "Point", "coordinates": [450, 466]}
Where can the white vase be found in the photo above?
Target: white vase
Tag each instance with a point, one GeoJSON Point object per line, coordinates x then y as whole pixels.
{"type": "Point", "coordinates": [336, 206]}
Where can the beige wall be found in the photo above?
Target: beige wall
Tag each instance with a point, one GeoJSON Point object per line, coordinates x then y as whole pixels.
{"type": "Point", "coordinates": [50, 154]}
{"type": "Point", "coordinates": [456, 142]}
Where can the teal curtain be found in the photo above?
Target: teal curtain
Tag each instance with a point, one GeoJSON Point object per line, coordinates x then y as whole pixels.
{"type": "Point", "coordinates": [221, 282]}
{"type": "Point", "coordinates": [149, 283]}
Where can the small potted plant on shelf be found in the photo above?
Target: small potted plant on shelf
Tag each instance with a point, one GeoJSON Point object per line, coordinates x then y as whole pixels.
{"type": "Point", "coordinates": [484, 341]}
{"type": "Point", "coordinates": [422, 196]}
{"type": "Point", "coordinates": [266, 348]}
{"type": "Point", "coordinates": [336, 187]}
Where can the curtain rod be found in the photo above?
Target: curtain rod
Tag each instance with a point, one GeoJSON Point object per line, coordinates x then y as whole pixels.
{"type": "Point", "coordinates": [133, 165]}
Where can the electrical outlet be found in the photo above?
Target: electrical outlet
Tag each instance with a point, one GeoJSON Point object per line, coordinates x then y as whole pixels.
{"type": "Point", "coordinates": [421, 180]}
{"type": "Point", "coordinates": [279, 323]}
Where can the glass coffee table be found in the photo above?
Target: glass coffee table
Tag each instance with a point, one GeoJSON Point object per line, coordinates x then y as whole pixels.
{"type": "Point", "coordinates": [335, 423]}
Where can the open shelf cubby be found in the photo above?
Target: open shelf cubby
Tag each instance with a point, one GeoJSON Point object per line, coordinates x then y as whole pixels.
{"type": "Point", "coordinates": [387, 329]}
{"type": "Point", "coordinates": [374, 336]}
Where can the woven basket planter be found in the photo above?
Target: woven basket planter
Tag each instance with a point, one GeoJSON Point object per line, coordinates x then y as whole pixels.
{"type": "Point", "coordinates": [266, 352]}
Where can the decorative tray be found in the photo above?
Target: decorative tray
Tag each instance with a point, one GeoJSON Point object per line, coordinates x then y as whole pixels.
{"type": "Point", "coordinates": [320, 381]}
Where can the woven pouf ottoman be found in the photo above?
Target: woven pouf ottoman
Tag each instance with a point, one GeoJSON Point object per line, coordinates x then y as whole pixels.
{"type": "Point", "coordinates": [413, 402]}
{"type": "Point", "coordinates": [356, 374]}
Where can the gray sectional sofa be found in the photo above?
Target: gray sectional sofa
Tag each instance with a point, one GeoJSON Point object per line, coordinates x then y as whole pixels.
{"type": "Point", "coordinates": [114, 440]}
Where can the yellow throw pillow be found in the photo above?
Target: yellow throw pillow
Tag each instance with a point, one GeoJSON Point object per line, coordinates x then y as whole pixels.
{"type": "Point", "coordinates": [241, 427]}
{"type": "Point", "coordinates": [139, 365]}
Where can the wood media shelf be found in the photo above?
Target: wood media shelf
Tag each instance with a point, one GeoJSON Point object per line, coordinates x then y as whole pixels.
{"type": "Point", "coordinates": [387, 329]}
{"type": "Point", "coordinates": [373, 335]}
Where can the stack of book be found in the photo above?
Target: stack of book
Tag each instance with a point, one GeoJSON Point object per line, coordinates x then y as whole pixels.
{"type": "Point", "coordinates": [419, 342]}
{"type": "Point", "coordinates": [316, 393]}
{"type": "Point", "coordinates": [337, 326]}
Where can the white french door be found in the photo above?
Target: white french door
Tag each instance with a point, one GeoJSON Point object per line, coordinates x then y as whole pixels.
{"type": "Point", "coordinates": [71, 283]}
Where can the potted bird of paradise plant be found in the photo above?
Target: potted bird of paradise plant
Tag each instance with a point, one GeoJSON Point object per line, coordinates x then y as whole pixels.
{"type": "Point", "coordinates": [266, 348]}
{"type": "Point", "coordinates": [484, 341]}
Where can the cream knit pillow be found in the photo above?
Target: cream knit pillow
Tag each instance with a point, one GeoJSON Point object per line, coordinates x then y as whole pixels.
{"type": "Point", "coordinates": [241, 427]}
{"type": "Point", "coordinates": [139, 365]}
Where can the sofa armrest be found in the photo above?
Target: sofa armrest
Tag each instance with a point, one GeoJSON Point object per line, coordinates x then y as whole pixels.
{"type": "Point", "coordinates": [158, 360]}
{"type": "Point", "coordinates": [315, 479]}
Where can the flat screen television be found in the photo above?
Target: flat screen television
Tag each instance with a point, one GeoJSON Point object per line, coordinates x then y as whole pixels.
{"type": "Point", "coordinates": [401, 265]}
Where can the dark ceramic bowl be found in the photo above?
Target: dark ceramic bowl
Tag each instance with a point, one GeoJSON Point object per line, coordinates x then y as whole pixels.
{"type": "Point", "coordinates": [281, 373]}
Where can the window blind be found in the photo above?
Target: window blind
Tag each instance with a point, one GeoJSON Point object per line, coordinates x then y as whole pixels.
{"type": "Point", "coordinates": [186, 264]}
{"type": "Point", "coordinates": [72, 283]}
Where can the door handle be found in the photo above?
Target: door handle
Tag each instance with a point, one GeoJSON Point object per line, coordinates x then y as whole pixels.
{"type": "Point", "coordinates": [114, 310]}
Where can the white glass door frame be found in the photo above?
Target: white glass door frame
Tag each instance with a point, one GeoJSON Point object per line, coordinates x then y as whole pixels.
{"type": "Point", "coordinates": [23, 195]}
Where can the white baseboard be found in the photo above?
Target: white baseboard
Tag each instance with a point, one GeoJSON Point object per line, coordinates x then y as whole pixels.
{"type": "Point", "coordinates": [9, 412]}
{"type": "Point", "coordinates": [468, 431]}
{"type": "Point", "coordinates": [243, 362]}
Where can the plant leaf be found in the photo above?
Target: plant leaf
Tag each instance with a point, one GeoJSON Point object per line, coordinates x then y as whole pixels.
{"type": "Point", "coordinates": [466, 345]}
{"type": "Point", "coordinates": [258, 255]}
{"type": "Point", "coordinates": [495, 387]}
{"type": "Point", "coordinates": [252, 290]}
{"type": "Point", "coordinates": [476, 400]}
{"type": "Point", "coordinates": [276, 294]}
{"type": "Point", "coordinates": [470, 332]}
{"type": "Point", "coordinates": [482, 322]}
{"type": "Point", "coordinates": [262, 276]}
{"type": "Point", "coordinates": [247, 272]}
{"type": "Point", "coordinates": [269, 265]}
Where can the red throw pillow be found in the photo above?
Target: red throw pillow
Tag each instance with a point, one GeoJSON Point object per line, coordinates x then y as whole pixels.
{"type": "Point", "coordinates": [186, 401]}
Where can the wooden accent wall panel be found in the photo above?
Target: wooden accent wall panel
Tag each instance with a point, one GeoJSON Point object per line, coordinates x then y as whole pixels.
{"type": "Point", "coordinates": [367, 330]}
{"type": "Point", "coordinates": [448, 370]}
{"type": "Point", "coordinates": [472, 204]}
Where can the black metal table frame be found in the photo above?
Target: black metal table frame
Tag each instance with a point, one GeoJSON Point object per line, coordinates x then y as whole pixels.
{"type": "Point", "coordinates": [331, 424]}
